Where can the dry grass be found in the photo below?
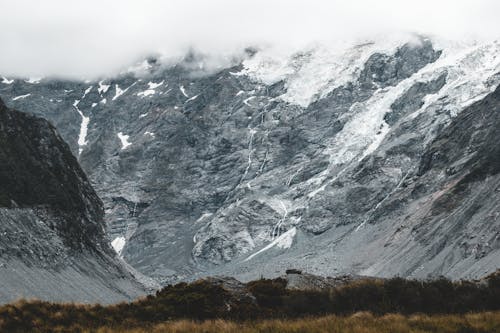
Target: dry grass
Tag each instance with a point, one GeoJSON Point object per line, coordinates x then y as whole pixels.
{"type": "Point", "coordinates": [363, 322]}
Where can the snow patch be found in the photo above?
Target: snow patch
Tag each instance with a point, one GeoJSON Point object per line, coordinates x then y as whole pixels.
{"type": "Point", "coordinates": [87, 91]}
{"type": "Point", "coordinates": [284, 241]}
{"type": "Point", "coordinates": [21, 97]}
{"type": "Point", "coordinates": [153, 85]}
{"type": "Point", "coordinates": [33, 80]}
{"type": "Point", "coordinates": [192, 98]}
{"type": "Point", "coordinates": [124, 140]}
{"type": "Point", "coordinates": [6, 81]}
{"type": "Point", "coordinates": [151, 134]}
{"type": "Point", "coordinates": [146, 93]}
{"type": "Point", "coordinates": [151, 89]}
{"type": "Point", "coordinates": [118, 244]}
{"type": "Point", "coordinates": [83, 128]}
{"type": "Point", "coordinates": [103, 88]}
{"type": "Point", "coordinates": [119, 91]}
{"type": "Point", "coordinates": [183, 91]}
{"type": "Point", "coordinates": [246, 101]}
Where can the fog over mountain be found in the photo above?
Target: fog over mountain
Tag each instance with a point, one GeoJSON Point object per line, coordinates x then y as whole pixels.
{"type": "Point", "coordinates": [97, 38]}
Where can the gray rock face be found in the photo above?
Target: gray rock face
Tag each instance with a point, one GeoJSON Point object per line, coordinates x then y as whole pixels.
{"type": "Point", "coordinates": [332, 163]}
{"type": "Point", "coordinates": [52, 241]}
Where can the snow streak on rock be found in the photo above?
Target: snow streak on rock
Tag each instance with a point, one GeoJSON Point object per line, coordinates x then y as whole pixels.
{"type": "Point", "coordinates": [124, 140]}
{"type": "Point", "coordinates": [83, 128]}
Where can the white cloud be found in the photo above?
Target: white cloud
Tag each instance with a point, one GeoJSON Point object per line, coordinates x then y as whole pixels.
{"type": "Point", "coordinates": [95, 37]}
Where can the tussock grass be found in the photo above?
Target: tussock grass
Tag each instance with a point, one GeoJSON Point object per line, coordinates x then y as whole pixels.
{"type": "Point", "coordinates": [392, 305]}
{"type": "Point", "coordinates": [362, 322]}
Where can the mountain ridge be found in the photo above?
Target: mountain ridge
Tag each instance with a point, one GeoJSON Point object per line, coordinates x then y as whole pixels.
{"type": "Point", "coordinates": [314, 161]}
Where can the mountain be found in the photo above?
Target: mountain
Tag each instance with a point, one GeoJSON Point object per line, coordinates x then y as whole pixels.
{"type": "Point", "coordinates": [53, 243]}
{"type": "Point", "coordinates": [374, 159]}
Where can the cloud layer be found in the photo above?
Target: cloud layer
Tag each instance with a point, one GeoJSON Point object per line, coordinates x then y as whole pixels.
{"type": "Point", "coordinates": [97, 37]}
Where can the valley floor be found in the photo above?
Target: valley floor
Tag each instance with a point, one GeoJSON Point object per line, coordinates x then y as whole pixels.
{"type": "Point", "coordinates": [362, 322]}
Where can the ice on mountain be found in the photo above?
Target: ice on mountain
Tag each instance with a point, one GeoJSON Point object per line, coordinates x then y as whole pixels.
{"type": "Point", "coordinates": [151, 89]}
{"type": "Point", "coordinates": [124, 140]}
{"type": "Point", "coordinates": [153, 85]}
{"type": "Point", "coordinates": [183, 91]}
{"type": "Point", "coordinates": [118, 244]}
{"type": "Point", "coordinates": [103, 88]}
{"type": "Point", "coordinates": [33, 80]}
{"type": "Point", "coordinates": [246, 101]}
{"type": "Point", "coordinates": [192, 98]}
{"type": "Point", "coordinates": [313, 73]}
{"type": "Point", "coordinates": [6, 81]}
{"type": "Point", "coordinates": [284, 241]}
{"type": "Point", "coordinates": [83, 127]}
{"type": "Point", "coordinates": [87, 91]}
{"type": "Point", "coordinates": [20, 97]}
{"type": "Point", "coordinates": [146, 93]}
{"type": "Point", "coordinates": [119, 91]}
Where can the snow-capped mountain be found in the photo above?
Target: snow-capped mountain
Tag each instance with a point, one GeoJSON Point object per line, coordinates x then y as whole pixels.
{"type": "Point", "coordinates": [378, 158]}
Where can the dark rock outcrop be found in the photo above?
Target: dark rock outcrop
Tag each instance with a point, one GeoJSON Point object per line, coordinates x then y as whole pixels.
{"type": "Point", "coordinates": [53, 243]}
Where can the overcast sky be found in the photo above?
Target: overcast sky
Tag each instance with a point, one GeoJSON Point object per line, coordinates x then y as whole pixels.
{"type": "Point", "coordinates": [97, 37]}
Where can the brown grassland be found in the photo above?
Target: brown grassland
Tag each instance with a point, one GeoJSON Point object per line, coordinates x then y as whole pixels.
{"type": "Point", "coordinates": [364, 306]}
{"type": "Point", "coordinates": [362, 322]}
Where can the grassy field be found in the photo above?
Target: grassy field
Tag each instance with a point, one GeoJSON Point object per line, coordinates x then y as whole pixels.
{"type": "Point", "coordinates": [363, 322]}
{"type": "Point", "coordinates": [365, 306]}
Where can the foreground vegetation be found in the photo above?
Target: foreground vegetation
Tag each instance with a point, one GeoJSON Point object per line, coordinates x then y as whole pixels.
{"type": "Point", "coordinates": [363, 322]}
{"type": "Point", "coordinates": [247, 309]}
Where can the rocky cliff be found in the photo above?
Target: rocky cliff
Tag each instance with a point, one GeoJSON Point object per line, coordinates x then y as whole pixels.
{"type": "Point", "coordinates": [377, 159]}
{"type": "Point", "coordinates": [52, 242]}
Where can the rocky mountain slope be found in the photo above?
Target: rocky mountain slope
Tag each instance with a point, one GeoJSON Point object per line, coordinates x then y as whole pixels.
{"type": "Point", "coordinates": [52, 242]}
{"type": "Point", "coordinates": [374, 159]}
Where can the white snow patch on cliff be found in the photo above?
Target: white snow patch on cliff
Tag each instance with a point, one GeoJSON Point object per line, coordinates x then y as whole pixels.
{"type": "Point", "coordinates": [284, 241]}
{"type": "Point", "coordinates": [118, 92]}
{"type": "Point", "coordinates": [87, 91]}
{"type": "Point", "coordinates": [151, 89]}
{"type": "Point", "coordinates": [6, 81]}
{"type": "Point", "coordinates": [118, 244]}
{"type": "Point", "coordinates": [124, 140]}
{"type": "Point", "coordinates": [146, 93]}
{"type": "Point", "coordinates": [153, 85]}
{"type": "Point", "coordinates": [20, 97]}
{"type": "Point", "coordinates": [183, 91]}
{"type": "Point", "coordinates": [192, 98]}
{"type": "Point", "coordinates": [103, 88]}
{"type": "Point", "coordinates": [33, 80]}
{"type": "Point", "coordinates": [83, 128]}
